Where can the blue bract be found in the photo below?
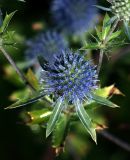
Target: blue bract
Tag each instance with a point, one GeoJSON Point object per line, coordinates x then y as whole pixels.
{"type": "Point", "coordinates": [74, 16]}
{"type": "Point", "coordinates": [45, 44]}
{"type": "Point", "coordinates": [70, 76]}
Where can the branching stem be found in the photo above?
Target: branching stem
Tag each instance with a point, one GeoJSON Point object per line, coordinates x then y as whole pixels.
{"type": "Point", "coordinates": [104, 43]}
{"type": "Point", "coordinates": [11, 61]}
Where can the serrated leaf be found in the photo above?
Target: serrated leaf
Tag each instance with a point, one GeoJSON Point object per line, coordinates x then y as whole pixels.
{"type": "Point", "coordinates": [103, 8]}
{"type": "Point", "coordinates": [85, 119]}
{"type": "Point", "coordinates": [6, 22]}
{"type": "Point", "coordinates": [26, 101]}
{"type": "Point", "coordinates": [60, 131]}
{"type": "Point", "coordinates": [102, 92]}
{"type": "Point", "coordinates": [55, 116]}
{"type": "Point", "coordinates": [32, 79]}
{"type": "Point", "coordinates": [103, 101]}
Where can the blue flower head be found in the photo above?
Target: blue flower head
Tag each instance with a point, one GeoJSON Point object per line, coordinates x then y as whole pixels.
{"type": "Point", "coordinates": [74, 16]}
{"type": "Point", "coordinates": [69, 77]}
{"type": "Point", "coordinates": [45, 44]}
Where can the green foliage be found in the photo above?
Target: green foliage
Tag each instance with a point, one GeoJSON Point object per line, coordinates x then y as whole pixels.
{"type": "Point", "coordinates": [33, 80]}
{"type": "Point", "coordinates": [6, 22]}
{"type": "Point", "coordinates": [25, 101]}
{"type": "Point", "coordinates": [37, 116]}
{"type": "Point", "coordinates": [60, 131]}
{"type": "Point", "coordinates": [58, 107]}
{"type": "Point", "coordinates": [104, 40]}
{"type": "Point", "coordinates": [103, 101]}
{"type": "Point", "coordinates": [85, 119]}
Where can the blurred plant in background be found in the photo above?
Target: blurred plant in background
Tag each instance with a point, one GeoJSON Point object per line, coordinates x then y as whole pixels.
{"type": "Point", "coordinates": [71, 80]}
{"type": "Point", "coordinates": [74, 17]}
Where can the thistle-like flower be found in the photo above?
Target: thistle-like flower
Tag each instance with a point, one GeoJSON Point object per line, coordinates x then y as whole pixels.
{"type": "Point", "coordinates": [72, 80]}
{"type": "Point", "coordinates": [45, 44]}
{"type": "Point", "coordinates": [69, 77]}
{"type": "Point", "coordinates": [74, 16]}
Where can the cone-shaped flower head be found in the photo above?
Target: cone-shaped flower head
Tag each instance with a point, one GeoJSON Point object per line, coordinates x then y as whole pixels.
{"type": "Point", "coordinates": [45, 44]}
{"type": "Point", "coordinates": [69, 77]}
{"type": "Point", "coordinates": [121, 8]}
{"type": "Point", "coordinates": [74, 16]}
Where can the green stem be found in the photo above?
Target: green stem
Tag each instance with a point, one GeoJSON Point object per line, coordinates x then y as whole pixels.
{"type": "Point", "coordinates": [100, 61]}
{"type": "Point", "coordinates": [11, 61]}
{"type": "Point", "coordinates": [104, 43]}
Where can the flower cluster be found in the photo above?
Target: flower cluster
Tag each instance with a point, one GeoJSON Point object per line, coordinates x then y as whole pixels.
{"type": "Point", "coordinates": [45, 44]}
{"type": "Point", "coordinates": [74, 16]}
{"type": "Point", "coordinates": [69, 77]}
{"type": "Point", "coordinates": [121, 8]}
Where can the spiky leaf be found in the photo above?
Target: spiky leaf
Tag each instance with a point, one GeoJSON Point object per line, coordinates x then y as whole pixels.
{"type": "Point", "coordinates": [103, 101]}
{"type": "Point", "coordinates": [85, 119]}
{"type": "Point", "coordinates": [55, 116]}
{"type": "Point", "coordinates": [26, 101]}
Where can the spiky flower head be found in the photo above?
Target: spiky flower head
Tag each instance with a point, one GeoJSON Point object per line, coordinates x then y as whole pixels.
{"type": "Point", "coordinates": [121, 8]}
{"type": "Point", "coordinates": [70, 77]}
{"type": "Point", "coordinates": [74, 16]}
{"type": "Point", "coordinates": [45, 44]}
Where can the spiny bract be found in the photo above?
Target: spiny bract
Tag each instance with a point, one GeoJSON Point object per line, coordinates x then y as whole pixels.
{"type": "Point", "coordinates": [69, 77]}
{"type": "Point", "coordinates": [74, 16]}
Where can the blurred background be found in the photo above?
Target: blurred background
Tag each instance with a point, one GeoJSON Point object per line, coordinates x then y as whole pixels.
{"type": "Point", "coordinates": [21, 142]}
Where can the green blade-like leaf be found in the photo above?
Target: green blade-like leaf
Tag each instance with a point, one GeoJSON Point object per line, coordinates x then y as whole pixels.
{"type": "Point", "coordinates": [114, 35]}
{"type": "Point", "coordinates": [85, 119]}
{"type": "Point", "coordinates": [55, 116]}
{"type": "Point", "coordinates": [105, 28]}
{"type": "Point", "coordinates": [90, 46]}
{"type": "Point", "coordinates": [99, 34]}
{"type": "Point", "coordinates": [103, 8]}
{"type": "Point", "coordinates": [6, 22]}
{"type": "Point", "coordinates": [26, 101]}
{"type": "Point", "coordinates": [103, 101]}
